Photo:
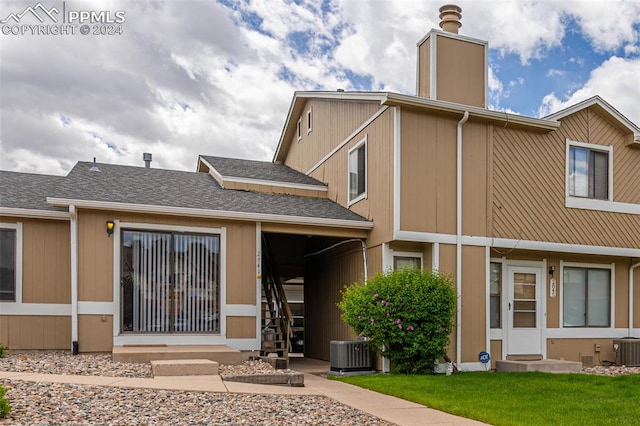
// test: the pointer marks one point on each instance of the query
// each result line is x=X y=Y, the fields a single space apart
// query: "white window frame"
x=120 y=338
x=612 y=296
x=299 y=129
x=19 y=249
x=362 y=142
x=592 y=203
x=309 y=120
x=411 y=254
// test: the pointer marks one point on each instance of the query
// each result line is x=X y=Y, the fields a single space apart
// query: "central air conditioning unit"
x=627 y=352
x=350 y=356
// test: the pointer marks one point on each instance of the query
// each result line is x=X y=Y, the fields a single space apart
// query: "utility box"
x=350 y=356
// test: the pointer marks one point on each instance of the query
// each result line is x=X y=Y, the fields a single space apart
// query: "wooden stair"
x=276 y=314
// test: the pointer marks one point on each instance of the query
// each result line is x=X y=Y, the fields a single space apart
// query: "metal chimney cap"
x=94 y=166
x=146 y=156
x=450 y=15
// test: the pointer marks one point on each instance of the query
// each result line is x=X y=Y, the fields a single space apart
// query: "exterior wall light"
x=110 y=225
x=552 y=269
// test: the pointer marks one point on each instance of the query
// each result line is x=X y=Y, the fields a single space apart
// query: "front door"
x=524 y=313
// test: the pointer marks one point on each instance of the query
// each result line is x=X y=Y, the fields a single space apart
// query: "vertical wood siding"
x=35 y=332
x=424 y=73
x=378 y=206
x=46 y=273
x=428 y=174
x=241 y=327
x=325 y=277
x=473 y=303
x=333 y=121
x=460 y=71
x=529 y=185
x=95 y=335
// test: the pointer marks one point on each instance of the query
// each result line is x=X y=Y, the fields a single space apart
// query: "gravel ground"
x=52 y=403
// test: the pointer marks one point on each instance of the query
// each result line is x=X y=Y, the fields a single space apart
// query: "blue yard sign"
x=484 y=357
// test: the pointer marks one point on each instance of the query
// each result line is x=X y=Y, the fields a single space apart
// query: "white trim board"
x=34 y=214
x=507 y=243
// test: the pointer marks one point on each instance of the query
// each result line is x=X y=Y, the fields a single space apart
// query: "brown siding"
x=325 y=277
x=496 y=352
x=448 y=267
x=374 y=260
x=95 y=333
x=529 y=186
x=572 y=349
x=46 y=261
x=428 y=174
x=35 y=332
x=241 y=327
x=636 y=297
x=378 y=206
x=95 y=253
x=474 y=179
x=95 y=257
x=424 y=63
x=333 y=121
x=461 y=71
x=473 y=303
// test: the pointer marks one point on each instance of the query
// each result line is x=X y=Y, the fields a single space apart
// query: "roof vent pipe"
x=147 y=159
x=450 y=15
x=94 y=167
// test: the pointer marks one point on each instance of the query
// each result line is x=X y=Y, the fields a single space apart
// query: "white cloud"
x=616 y=81
x=553 y=72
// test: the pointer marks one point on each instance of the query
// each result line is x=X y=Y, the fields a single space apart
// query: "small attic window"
x=299 y=129
x=309 y=120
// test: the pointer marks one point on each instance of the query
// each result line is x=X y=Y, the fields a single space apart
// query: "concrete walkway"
x=389 y=408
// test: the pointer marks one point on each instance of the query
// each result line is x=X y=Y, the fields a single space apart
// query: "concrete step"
x=544 y=365
x=184 y=367
x=220 y=353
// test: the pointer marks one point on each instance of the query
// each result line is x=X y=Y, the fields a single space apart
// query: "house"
x=537 y=220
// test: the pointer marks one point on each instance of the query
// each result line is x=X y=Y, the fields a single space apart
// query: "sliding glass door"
x=170 y=282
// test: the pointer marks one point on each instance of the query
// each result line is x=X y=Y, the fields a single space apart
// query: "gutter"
x=73 y=214
x=464 y=119
x=213 y=214
x=631 y=268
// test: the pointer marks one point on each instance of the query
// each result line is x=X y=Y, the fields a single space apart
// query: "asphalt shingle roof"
x=28 y=191
x=157 y=187
x=263 y=170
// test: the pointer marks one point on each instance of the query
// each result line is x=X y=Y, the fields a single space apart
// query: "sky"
x=183 y=78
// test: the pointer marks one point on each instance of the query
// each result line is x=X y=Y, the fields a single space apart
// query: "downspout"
x=74 y=279
x=631 y=268
x=464 y=119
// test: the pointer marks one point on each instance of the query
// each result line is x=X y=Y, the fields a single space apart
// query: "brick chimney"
x=452 y=67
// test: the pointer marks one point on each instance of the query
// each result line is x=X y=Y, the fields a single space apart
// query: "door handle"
x=509 y=305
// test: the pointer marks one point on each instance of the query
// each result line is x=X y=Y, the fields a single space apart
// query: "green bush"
x=406 y=315
x=5 y=408
x=3 y=350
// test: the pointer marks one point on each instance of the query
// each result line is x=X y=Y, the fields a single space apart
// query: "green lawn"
x=519 y=398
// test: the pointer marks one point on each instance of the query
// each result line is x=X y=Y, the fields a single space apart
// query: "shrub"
x=5 y=408
x=407 y=316
x=3 y=350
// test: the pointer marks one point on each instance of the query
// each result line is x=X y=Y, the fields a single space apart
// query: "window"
x=309 y=120
x=588 y=170
x=358 y=172
x=495 y=292
x=401 y=262
x=586 y=297
x=170 y=282
x=8 y=251
x=299 y=129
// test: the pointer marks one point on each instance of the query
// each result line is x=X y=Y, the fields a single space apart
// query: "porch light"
x=552 y=269
x=110 y=225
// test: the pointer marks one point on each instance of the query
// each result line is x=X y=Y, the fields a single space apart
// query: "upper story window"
x=8 y=262
x=309 y=120
x=589 y=170
x=299 y=129
x=586 y=296
x=407 y=260
x=358 y=171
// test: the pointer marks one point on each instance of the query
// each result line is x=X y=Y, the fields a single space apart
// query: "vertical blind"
x=170 y=282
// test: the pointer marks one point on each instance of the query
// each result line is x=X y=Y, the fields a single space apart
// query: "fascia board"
x=213 y=214
x=34 y=213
